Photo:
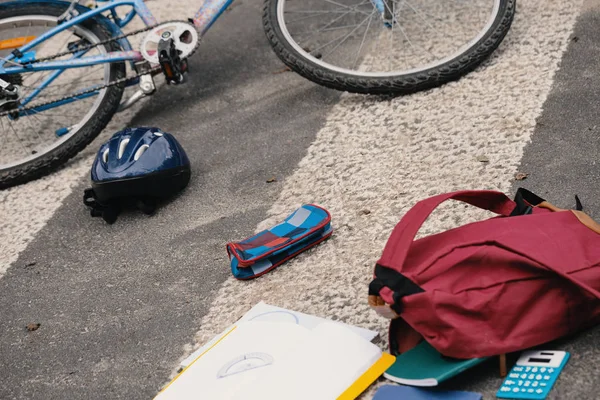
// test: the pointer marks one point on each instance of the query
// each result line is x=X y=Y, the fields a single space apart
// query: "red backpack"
x=524 y=278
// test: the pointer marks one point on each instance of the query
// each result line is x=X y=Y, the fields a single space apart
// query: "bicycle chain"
x=92 y=45
x=88 y=47
x=16 y=112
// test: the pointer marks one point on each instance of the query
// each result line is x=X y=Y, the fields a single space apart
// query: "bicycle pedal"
x=172 y=65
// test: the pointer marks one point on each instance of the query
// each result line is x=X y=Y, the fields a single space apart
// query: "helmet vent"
x=140 y=151
x=122 y=145
x=105 y=156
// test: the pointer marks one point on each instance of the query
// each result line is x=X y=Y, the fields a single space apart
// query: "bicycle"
x=63 y=56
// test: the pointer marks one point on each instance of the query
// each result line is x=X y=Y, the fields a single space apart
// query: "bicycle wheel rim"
x=486 y=29
x=75 y=128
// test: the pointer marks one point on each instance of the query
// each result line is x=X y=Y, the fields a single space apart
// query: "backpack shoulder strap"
x=400 y=241
x=397 y=246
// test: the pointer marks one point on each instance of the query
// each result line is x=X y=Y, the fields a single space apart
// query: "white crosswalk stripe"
x=385 y=155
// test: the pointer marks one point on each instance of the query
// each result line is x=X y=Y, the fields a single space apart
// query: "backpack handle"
x=403 y=235
x=396 y=249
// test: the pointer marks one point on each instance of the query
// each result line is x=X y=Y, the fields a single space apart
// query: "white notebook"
x=272 y=361
x=269 y=313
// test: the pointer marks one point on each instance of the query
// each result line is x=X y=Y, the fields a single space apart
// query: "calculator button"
x=531 y=376
x=535 y=384
x=514 y=376
x=505 y=389
x=509 y=382
x=523 y=376
x=527 y=369
x=543 y=384
x=523 y=390
x=520 y=383
x=538 y=377
x=516 y=390
x=543 y=369
x=527 y=383
x=529 y=390
x=534 y=369
x=546 y=377
x=550 y=370
x=518 y=369
x=539 y=391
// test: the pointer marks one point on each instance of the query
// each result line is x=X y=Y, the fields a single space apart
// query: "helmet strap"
x=108 y=211
x=147 y=205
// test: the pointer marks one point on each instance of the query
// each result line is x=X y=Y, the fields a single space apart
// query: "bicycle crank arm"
x=147 y=88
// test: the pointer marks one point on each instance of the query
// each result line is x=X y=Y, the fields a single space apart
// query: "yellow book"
x=271 y=361
x=370 y=376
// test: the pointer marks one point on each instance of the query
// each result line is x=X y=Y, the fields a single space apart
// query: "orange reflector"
x=15 y=43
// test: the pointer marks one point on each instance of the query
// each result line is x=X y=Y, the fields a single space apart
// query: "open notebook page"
x=250 y=351
x=328 y=361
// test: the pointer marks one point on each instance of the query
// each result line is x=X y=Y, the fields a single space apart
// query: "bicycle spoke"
x=344 y=6
x=43 y=75
x=392 y=32
x=326 y=26
x=51 y=91
x=348 y=35
x=49 y=113
x=345 y=12
x=316 y=12
x=462 y=2
x=339 y=10
x=36 y=118
x=34 y=129
x=406 y=62
x=362 y=43
x=336 y=28
x=395 y=21
x=420 y=16
x=17 y=135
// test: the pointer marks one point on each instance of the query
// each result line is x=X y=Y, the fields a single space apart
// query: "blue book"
x=389 y=392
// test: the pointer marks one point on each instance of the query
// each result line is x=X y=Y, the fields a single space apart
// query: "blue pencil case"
x=306 y=227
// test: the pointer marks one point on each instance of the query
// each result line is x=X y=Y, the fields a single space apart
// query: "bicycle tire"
x=394 y=85
x=52 y=160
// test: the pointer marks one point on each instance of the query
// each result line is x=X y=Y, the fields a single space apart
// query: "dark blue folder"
x=391 y=392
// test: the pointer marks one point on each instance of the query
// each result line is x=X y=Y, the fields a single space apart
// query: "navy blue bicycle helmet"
x=136 y=166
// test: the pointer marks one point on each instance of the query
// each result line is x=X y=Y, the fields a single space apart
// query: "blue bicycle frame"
x=208 y=13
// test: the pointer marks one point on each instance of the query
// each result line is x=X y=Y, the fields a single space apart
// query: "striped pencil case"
x=306 y=227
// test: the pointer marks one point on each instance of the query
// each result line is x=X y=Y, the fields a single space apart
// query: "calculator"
x=533 y=375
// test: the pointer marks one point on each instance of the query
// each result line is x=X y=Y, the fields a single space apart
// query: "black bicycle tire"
x=51 y=161
x=395 y=85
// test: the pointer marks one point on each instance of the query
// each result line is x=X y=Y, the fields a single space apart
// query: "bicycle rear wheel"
x=34 y=145
x=385 y=46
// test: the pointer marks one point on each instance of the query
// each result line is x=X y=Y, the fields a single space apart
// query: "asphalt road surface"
x=130 y=295
x=120 y=305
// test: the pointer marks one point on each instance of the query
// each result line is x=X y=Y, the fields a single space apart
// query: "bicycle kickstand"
x=147 y=88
